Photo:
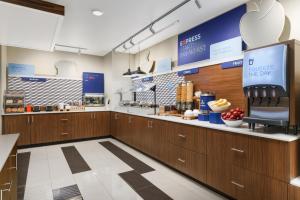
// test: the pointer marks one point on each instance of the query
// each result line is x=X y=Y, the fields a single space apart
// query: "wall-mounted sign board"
x=93 y=82
x=147 y=79
x=32 y=79
x=164 y=65
x=188 y=72
x=20 y=69
x=214 y=39
x=232 y=64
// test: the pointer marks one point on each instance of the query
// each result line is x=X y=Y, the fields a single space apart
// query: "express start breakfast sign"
x=214 y=39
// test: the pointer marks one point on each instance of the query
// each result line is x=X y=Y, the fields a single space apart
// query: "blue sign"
x=164 y=65
x=188 y=72
x=266 y=66
x=148 y=79
x=208 y=38
x=32 y=79
x=20 y=70
x=93 y=82
x=232 y=64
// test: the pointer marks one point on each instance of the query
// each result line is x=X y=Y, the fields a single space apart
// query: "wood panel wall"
x=225 y=83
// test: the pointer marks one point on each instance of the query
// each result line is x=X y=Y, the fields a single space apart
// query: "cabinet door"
x=5 y=181
x=43 y=128
x=84 y=125
x=101 y=124
x=115 y=124
x=66 y=129
x=294 y=193
x=18 y=124
x=219 y=161
x=249 y=185
x=269 y=157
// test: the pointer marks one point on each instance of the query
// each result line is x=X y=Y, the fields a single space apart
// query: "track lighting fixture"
x=131 y=42
x=152 y=30
x=124 y=46
x=198 y=4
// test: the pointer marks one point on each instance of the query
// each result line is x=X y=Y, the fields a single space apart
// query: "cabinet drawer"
x=250 y=185
x=239 y=150
x=189 y=137
x=191 y=163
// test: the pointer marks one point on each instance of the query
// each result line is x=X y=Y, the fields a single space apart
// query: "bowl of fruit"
x=233 y=118
x=219 y=105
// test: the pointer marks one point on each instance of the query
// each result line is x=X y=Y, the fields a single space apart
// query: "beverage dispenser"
x=267 y=87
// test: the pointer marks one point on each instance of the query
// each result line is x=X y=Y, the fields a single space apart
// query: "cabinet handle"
x=94 y=115
x=116 y=116
x=32 y=119
x=129 y=120
x=150 y=124
x=28 y=119
x=237 y=150
x=91 y=115
x=237 y=184
x=64 y=133
x=64 y=119
x=6 y=189
x=16 y=159
x=181 y=160
x=182 y=136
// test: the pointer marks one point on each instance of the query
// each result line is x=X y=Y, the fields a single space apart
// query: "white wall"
x=292 y=11
x=44 y=61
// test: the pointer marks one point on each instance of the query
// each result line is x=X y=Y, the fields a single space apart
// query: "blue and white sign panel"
x=266 y=66
x=93 y=82
x=20 y=70
x=217 y=38
x=232 y=64
x=147 y=79
x=188 y=72
x=33 y=79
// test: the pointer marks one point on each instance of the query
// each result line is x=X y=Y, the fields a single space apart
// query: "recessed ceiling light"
x=97 y=12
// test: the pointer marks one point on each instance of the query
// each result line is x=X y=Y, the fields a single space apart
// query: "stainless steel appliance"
x=94 y=100
x=268 y=83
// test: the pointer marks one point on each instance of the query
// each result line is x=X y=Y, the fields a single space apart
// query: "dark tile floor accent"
x=143 y=187
x=130 y=160
x=67 y=193
x=75 y=161
x=23 y=164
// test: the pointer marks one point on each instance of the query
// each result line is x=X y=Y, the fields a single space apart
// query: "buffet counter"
x=259 y=132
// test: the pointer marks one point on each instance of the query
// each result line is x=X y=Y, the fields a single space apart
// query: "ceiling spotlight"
x=198 y=4
x=151 y=29
x=97 y=13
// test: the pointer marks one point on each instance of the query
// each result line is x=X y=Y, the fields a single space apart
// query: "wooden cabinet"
x=294 y=192
x=92 y=124
x=43 y=128
x=101 y=124
x=66 y=128
x=219 y=161
x=8 y=177
x=18 y=124
x=55 y=127
x=249 y=185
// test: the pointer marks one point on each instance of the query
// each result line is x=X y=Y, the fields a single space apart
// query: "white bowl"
x=218 y=108
x=233 y=123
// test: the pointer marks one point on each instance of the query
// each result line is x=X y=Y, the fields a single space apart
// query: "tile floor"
x=48 y=170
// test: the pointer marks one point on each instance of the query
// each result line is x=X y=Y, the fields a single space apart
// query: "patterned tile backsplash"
x=166 y=89
x=51 y=92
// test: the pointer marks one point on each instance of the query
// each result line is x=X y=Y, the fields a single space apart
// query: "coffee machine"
x=268 y=84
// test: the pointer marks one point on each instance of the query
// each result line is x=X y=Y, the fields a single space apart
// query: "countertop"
x=242 y=130
x=7 y=143
x=56 y=112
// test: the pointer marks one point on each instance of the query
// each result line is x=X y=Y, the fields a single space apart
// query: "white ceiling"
x=122 y=18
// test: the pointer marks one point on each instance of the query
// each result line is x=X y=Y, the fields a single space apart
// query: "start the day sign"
x=214 y=39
